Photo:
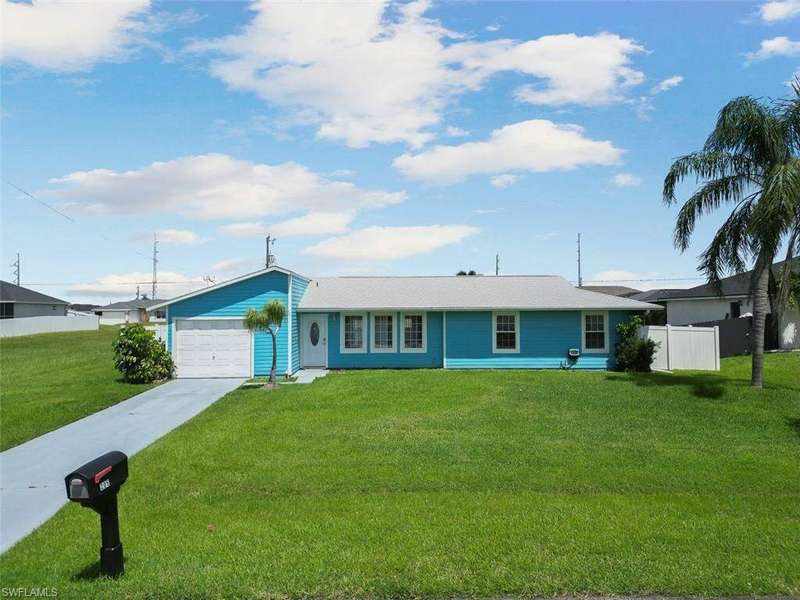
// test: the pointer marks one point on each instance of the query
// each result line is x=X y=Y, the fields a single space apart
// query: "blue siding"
x=431 y=358
x=299 y=286
x=233 y=301
x=545 y=338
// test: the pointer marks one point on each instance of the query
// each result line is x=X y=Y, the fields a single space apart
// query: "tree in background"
x=268 y=319
x=750 y=160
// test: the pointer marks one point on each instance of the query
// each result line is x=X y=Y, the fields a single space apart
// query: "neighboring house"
x=128 y=311
x=612 y=290
x=704 y=303
x=394 y=322
x=19 y=302
x=83 y=308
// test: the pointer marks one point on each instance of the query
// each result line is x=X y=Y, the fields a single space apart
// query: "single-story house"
x=127 y=311
x=705 y=303
x=521 y=322
x=20 y=302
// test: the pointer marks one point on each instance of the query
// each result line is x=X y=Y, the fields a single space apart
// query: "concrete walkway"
x=32 y=474
x=309 y=375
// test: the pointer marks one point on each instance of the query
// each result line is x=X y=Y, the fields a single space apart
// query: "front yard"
x=457 y=484
x=52 y=379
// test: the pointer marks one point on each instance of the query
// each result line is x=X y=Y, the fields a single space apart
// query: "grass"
x=447 y=484
x=52 y=379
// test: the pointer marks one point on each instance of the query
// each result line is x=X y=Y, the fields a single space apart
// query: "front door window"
x=314 y=334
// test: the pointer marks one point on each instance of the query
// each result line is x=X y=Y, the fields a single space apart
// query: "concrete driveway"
x=32 y=474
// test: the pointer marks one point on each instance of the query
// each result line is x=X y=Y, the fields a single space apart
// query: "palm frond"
x=747 y=126
x=706 y=200
x=731 y=246
x=705 y=166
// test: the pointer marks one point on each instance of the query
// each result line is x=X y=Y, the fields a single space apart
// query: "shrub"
x=140 y=357
x=632 y=352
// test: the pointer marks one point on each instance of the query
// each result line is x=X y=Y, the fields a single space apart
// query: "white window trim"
x=604 y=349
x=517 y=326
x=401 y=325
x=372 y=347
x=364 y=332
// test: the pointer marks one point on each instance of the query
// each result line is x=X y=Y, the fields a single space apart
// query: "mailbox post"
x=95 y=485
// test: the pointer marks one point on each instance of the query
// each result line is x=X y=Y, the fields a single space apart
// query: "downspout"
x=444 y=339
x=289 y=329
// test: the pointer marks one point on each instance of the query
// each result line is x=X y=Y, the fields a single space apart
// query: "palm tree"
x=268 y=319
x=749 y=160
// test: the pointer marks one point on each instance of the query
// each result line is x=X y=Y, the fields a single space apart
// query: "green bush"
x=140 y=357
x=632 y=352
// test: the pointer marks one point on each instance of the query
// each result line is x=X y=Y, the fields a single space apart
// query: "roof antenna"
x=580 y=279
x=497 y=264
x=155 y=265
x=15 y=264
x=269 y=259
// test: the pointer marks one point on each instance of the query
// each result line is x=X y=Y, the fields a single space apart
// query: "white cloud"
x=123 y=285
x=772 y=12
x=456 y=132
x=366 y=72
x=486 y=211
x=623 y=180
x=503 y=181
x=310 y=224
x=777 y=46
x=549 y=235
x=71 y=36
x=666 y=84
x=214 y=186
x=390 y=243
x=177 y=237
x=536 y=145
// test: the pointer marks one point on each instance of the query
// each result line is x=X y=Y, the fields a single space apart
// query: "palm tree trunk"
x=760 y=308
x=275 y=358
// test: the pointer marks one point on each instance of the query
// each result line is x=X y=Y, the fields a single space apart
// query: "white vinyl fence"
x=160 y=329
x=684 y=347
x=33 y=325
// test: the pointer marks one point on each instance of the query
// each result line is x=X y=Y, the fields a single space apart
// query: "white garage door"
x=211 y=348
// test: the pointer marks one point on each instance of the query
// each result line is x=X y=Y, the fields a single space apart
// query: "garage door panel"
x=213 y=348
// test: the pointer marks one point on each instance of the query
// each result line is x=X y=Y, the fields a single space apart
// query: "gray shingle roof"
x=612 y=290
x=15 y=293
x=538 y=292
x=130 y=304
x=735 y=285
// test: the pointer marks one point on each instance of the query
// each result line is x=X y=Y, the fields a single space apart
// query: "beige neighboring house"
x=127 y=311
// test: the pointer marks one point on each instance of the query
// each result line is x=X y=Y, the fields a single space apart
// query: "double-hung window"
x=353 y=333
x=595 y=332
x=383 y=332
x=505 y=337
x=413 y=332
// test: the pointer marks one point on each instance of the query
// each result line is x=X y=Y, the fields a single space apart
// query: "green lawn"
x=52 y=379
x=457 y=484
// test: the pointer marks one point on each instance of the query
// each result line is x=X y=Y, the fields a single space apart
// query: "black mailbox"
x=95 y=485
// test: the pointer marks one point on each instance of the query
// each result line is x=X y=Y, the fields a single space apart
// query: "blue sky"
x=385 y=138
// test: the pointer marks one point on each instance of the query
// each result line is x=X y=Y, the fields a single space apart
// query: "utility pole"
x=137 y=292
x=16 y=269
x=497 y=264
x=155 y=265
x=580 y=279
x=269 y=259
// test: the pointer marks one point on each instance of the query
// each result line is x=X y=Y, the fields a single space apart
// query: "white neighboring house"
x=704 y=303
x=20 y=302
x=128 y=311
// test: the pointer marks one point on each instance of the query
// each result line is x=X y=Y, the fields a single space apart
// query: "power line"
x=65 y=215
